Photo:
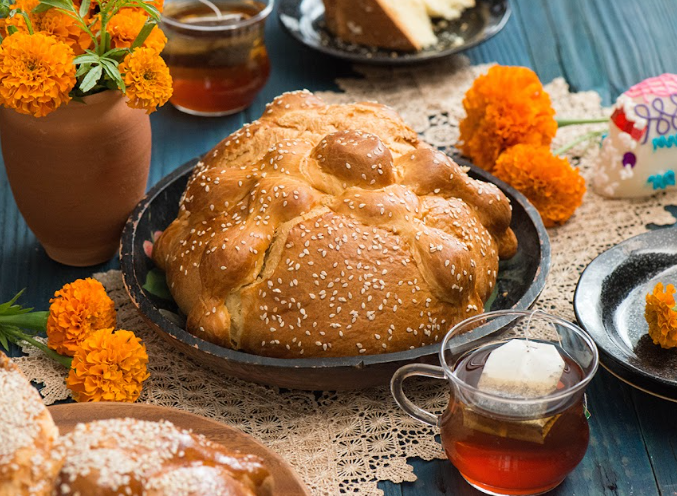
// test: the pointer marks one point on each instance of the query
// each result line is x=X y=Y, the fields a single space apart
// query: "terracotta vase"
x=77 y=173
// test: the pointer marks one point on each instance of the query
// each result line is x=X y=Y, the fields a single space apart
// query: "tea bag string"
x=528 y=327
x=217 y=11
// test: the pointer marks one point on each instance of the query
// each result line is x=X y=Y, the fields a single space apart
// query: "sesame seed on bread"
x=332 y=230
x=27 y=434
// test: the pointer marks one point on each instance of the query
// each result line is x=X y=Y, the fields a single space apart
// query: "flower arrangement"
x=53 y=51
x=104 y=364
x=508 y=128
x=661 y=315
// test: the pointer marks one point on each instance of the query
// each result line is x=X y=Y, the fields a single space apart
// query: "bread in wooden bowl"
x=331 y=230
x=27 y=436
x=141 y=458
x=393 y=24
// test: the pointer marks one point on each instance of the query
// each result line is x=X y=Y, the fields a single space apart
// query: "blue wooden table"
x=599 y=45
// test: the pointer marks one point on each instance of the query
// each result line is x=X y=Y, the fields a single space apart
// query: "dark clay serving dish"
x=520 y=281
x=609 y=304
x=304 y=21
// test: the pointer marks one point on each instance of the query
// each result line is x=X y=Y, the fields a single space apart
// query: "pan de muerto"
x=331 y=230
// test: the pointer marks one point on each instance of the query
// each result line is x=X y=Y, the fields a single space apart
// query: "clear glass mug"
x=504 y=444
x=216 y=53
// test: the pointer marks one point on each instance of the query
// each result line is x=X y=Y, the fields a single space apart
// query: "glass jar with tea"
x=216 y=53
x=516 y=421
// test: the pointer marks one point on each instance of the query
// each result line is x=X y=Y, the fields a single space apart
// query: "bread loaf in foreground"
x=112 y=457
x=27 y=436
x=137 y=457
x=331 y=230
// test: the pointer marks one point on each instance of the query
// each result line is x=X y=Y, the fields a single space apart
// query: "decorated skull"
x=639 y=155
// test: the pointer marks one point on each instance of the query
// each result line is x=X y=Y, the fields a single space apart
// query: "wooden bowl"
x=285 y=480
x=520 y=280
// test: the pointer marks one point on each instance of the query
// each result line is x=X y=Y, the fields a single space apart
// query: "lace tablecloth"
x=348 y=441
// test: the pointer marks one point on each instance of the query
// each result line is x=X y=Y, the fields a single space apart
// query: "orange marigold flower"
x=506 y=107
x=550 y=183
x=661 y=316
x=76 y=311
x=36 y=73
x=147 y=78
x=52 y=22
x=124 y=27
x=108 y=366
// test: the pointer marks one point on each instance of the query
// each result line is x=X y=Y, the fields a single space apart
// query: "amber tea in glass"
x=511 y=439
x=216 y=53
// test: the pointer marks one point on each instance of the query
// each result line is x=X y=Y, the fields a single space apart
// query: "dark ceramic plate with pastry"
x=305 y=21
x=610 y=302
x=520 y=281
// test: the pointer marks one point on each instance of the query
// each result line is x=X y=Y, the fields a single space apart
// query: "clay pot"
x=77 y=173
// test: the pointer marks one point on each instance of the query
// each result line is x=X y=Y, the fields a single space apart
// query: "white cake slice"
x=392 y=24
x=448 y=9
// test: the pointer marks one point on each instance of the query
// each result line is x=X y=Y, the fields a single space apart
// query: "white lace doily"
x=348 y=441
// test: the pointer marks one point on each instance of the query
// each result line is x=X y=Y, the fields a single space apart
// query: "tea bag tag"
x=522 y=369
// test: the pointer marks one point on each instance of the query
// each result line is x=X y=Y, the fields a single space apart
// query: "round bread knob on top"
x=331 y=230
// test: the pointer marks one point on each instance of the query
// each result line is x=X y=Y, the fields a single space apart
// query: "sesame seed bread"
x=27 y=435
x=135 y=457
x=331 y=230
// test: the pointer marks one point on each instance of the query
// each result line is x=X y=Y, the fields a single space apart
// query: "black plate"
x=520 y=281
x=609 y=304
x=304 y=20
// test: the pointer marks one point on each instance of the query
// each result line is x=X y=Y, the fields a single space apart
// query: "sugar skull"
x=638 y=157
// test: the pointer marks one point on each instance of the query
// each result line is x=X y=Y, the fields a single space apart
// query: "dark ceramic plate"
x=304 y=20
x=520 y=281
x=609 y=304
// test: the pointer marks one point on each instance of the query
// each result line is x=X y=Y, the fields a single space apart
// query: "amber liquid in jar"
x=215 y=71
x=507 y=455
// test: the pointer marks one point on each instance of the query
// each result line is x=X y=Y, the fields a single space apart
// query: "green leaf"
x=116 y=53
x=150 y=9
x=11 y=30
x=156 y=284
x=43 y=7
x=5 y=306
x=144 y=33
x=82 y=70
x=84 y=7
x=59 y=4
x=111 y=68
x=86 y=59
x=91 y=78
x=29 y=24
x=3 y=341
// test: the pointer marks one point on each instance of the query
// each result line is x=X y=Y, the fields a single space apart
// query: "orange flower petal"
x=505 y=107
x=550 y=183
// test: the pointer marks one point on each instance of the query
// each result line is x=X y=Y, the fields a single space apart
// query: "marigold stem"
x=580 y=139
x=17 y=335
x=573 y=122
x=35 y=321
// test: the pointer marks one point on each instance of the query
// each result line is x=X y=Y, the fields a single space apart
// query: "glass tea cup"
x=216 y=53
x=508 y=442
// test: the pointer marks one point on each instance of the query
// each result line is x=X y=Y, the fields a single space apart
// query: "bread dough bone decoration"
x=393 y=24
x=331 y=230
